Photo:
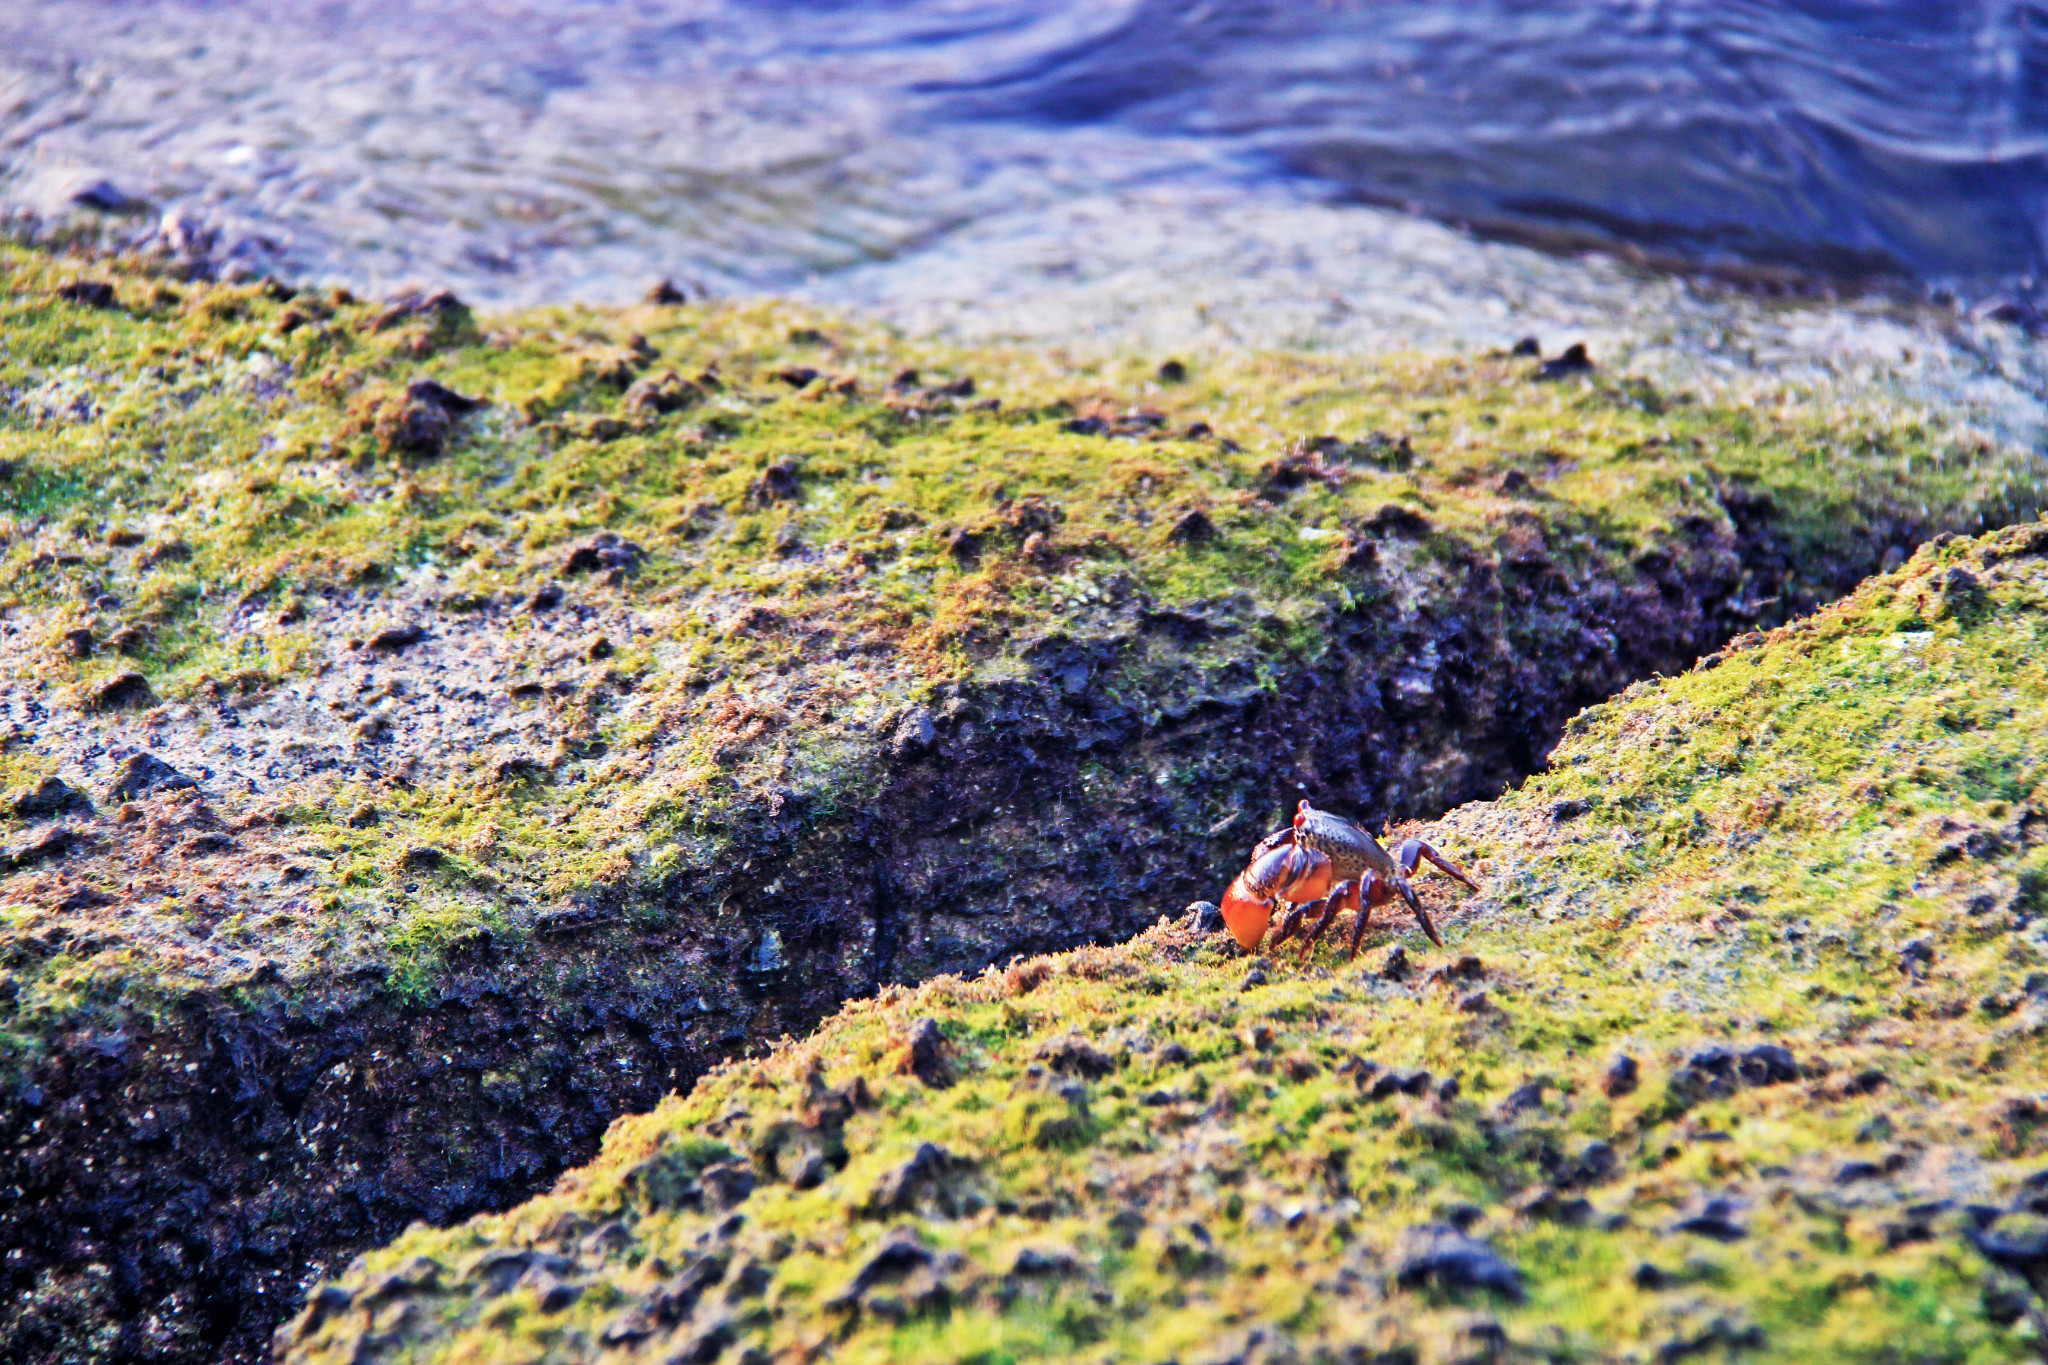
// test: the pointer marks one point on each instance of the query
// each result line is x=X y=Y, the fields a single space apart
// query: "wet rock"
x=90 y=293
x=901 y=1280
x=913 y=735
x=323 y=1305
x=779 y=483
x=51 y=796
x=1915 y=957
x=142 y=774
x=205 y=845
x=1439 y=1255
x=726 y=1184
x=926 y=1055
x=78 y=643
x=164 y=552
x=1648 y=1276
x=689 y=1178
x=1549 y=1204
x=362 y=817
x=1597 y=1161
x=796 y=376
x=421 y=424
x=1465 y=969
x=442 y=397
x=120 y=692
x=964 y=544
x=1301 y=464
x=803 y=1151
x=1716 y=1219
x=51 y=846
x=421 y=858
x=674 y=1300
x=1527 y=1099
x=2006 y=1298
x=1849 y=1172
x=1254 y=978
x=604 y=551
x=665 y=294
x=394 y=638
x=1715 y=1073
x=1573 y=360
x=1768 y=1064
x=1043 y=1263
x=1173 y=372
x=1621 y=1077
x=657 y=397
x=1392 y=965
x=1396 y=520
x=1527 y=346
x=1718 y=1332
x=1398 y=1082
x=552 y=1293
x=1960 y=593
x=1204 y=917
x=933 y=1183
x=1073 y=1056
x=415 y=303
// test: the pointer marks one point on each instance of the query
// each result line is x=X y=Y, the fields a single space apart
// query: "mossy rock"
x=1736 y=1054
x=483 y=733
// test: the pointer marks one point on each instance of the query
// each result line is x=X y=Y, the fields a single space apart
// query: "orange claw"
x=1290 y=872
x=1246 y=915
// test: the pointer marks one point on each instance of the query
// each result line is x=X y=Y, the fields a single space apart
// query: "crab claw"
x=1246 y=915
x=1289 y=872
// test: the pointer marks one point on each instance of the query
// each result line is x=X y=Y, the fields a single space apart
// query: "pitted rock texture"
x=1813 y=1154
x=666 y=729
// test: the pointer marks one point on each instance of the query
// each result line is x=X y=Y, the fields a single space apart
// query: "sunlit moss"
x=1868 y=778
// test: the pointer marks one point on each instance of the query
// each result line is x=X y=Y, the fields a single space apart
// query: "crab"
x=1320 y=865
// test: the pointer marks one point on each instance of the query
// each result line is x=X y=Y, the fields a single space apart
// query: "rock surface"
x=442 y=799
x=1750 y=844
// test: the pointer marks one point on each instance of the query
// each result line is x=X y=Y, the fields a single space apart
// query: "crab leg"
x=1345 y=897
x=1407 y=894
x=1413 y=851
x=1292 y=920
x=1373 y=892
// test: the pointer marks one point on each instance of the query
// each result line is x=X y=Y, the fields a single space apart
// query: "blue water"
x=1907 y=136
x=546 y=146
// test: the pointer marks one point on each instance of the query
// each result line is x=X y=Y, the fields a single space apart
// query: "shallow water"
x=535 y=150
x=1170 y=175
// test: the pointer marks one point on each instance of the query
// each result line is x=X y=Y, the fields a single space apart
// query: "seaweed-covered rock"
x=1273 y=1204
x=898 y=681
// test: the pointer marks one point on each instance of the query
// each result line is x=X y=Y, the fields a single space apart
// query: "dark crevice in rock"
x=185 y=1180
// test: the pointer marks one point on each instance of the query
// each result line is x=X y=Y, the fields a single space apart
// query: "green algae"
x=202 y=477
x=254 y=450
x=1830 y=841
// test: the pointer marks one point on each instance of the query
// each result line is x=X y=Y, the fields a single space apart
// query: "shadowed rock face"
x=464 y=801
x=1734 y=1029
